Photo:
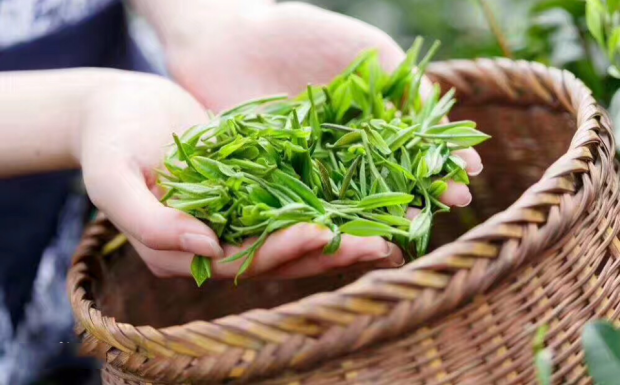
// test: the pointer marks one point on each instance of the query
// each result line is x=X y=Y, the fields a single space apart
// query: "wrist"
x=174 y=21
x=41 y=115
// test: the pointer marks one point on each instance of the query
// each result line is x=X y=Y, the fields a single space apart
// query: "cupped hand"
x=223 y=61
x=125 y=134
x=248 y=52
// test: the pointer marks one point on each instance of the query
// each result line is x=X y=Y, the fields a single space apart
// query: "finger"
x=426 y=88
x=353 y=251
x=457 y=195
x=279 y=248
x=163 y=263
x=120 y=191
x=413 y=212
x=472 y=159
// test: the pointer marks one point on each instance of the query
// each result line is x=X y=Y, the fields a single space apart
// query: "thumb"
x=121 y=191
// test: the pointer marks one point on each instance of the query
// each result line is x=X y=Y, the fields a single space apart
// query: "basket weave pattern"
x=467 y=312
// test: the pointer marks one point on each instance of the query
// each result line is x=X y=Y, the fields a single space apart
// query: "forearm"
x=40 y=114
x=168 y=17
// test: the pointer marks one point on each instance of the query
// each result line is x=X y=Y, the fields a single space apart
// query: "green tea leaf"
x=334 y=244
x=230 y=148
x=366 y=228
x=347 y=139
x=326 y=181
x=384 y=200
x=212 y=169
x=542 y=357
x=435 y=158
x=253 y=104
x=201 y=269
x=300 y=189
x=462 y=136
x=438 y=188
x=183 y=151
x=391 y=220
x=544 y=366
x=442 y=128
x=195 y=189
x=363 y=179
x=421 y=244
x=420 y=225
x=187 y=205
x=348 y=176
x=377 y=141
x=403 y=137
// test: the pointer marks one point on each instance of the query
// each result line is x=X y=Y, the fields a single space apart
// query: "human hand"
x=125 y=132
x=226 y=56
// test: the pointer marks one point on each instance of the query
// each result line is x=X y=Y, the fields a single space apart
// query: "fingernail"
x=391 y=256
x=395 y=257
x=373 y=257
x=465 y=201
x=387 y=253
x=477 y=170
x=201 y=244
x=392 y=261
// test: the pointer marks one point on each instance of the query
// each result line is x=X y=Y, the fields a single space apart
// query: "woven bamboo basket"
x=543 y=250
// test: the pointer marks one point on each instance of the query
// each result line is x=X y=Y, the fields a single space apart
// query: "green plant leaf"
x=366 y=228
x=384 y=200
x=195 y=189
x=201 y=269
x=188 y=205
x=613 y=44
x=403 y=137
x=235 y=145
x=601 y=343
x=300 y=189
x=253 y=104
x=542 y=357
x=420 y=225
x=442 y=128
x=183 y=150
x=438 y=188
x=462 y=136
x=435 y=158
x=377 y=141
x=595 y=14
x=346 y=139
x=334 y=244
x=346 y=182
x=326 y=181
x=544 y=366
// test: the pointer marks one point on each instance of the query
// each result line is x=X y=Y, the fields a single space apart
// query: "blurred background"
x=553 y=32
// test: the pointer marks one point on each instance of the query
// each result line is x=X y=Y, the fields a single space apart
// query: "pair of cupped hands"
x=275 y=48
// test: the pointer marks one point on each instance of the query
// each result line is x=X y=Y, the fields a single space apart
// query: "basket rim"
x=382 y=303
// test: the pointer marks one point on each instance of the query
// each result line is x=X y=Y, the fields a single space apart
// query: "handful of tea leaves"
x=351 y=156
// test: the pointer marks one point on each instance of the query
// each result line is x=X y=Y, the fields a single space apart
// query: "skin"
x=117 y=125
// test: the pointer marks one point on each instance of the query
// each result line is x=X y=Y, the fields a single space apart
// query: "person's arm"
x=40 y=113
x=115 y=125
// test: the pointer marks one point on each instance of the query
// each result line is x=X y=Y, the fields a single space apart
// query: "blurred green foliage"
x=553 y=32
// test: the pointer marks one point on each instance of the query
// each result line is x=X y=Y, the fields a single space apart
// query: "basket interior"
x=526 y=140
